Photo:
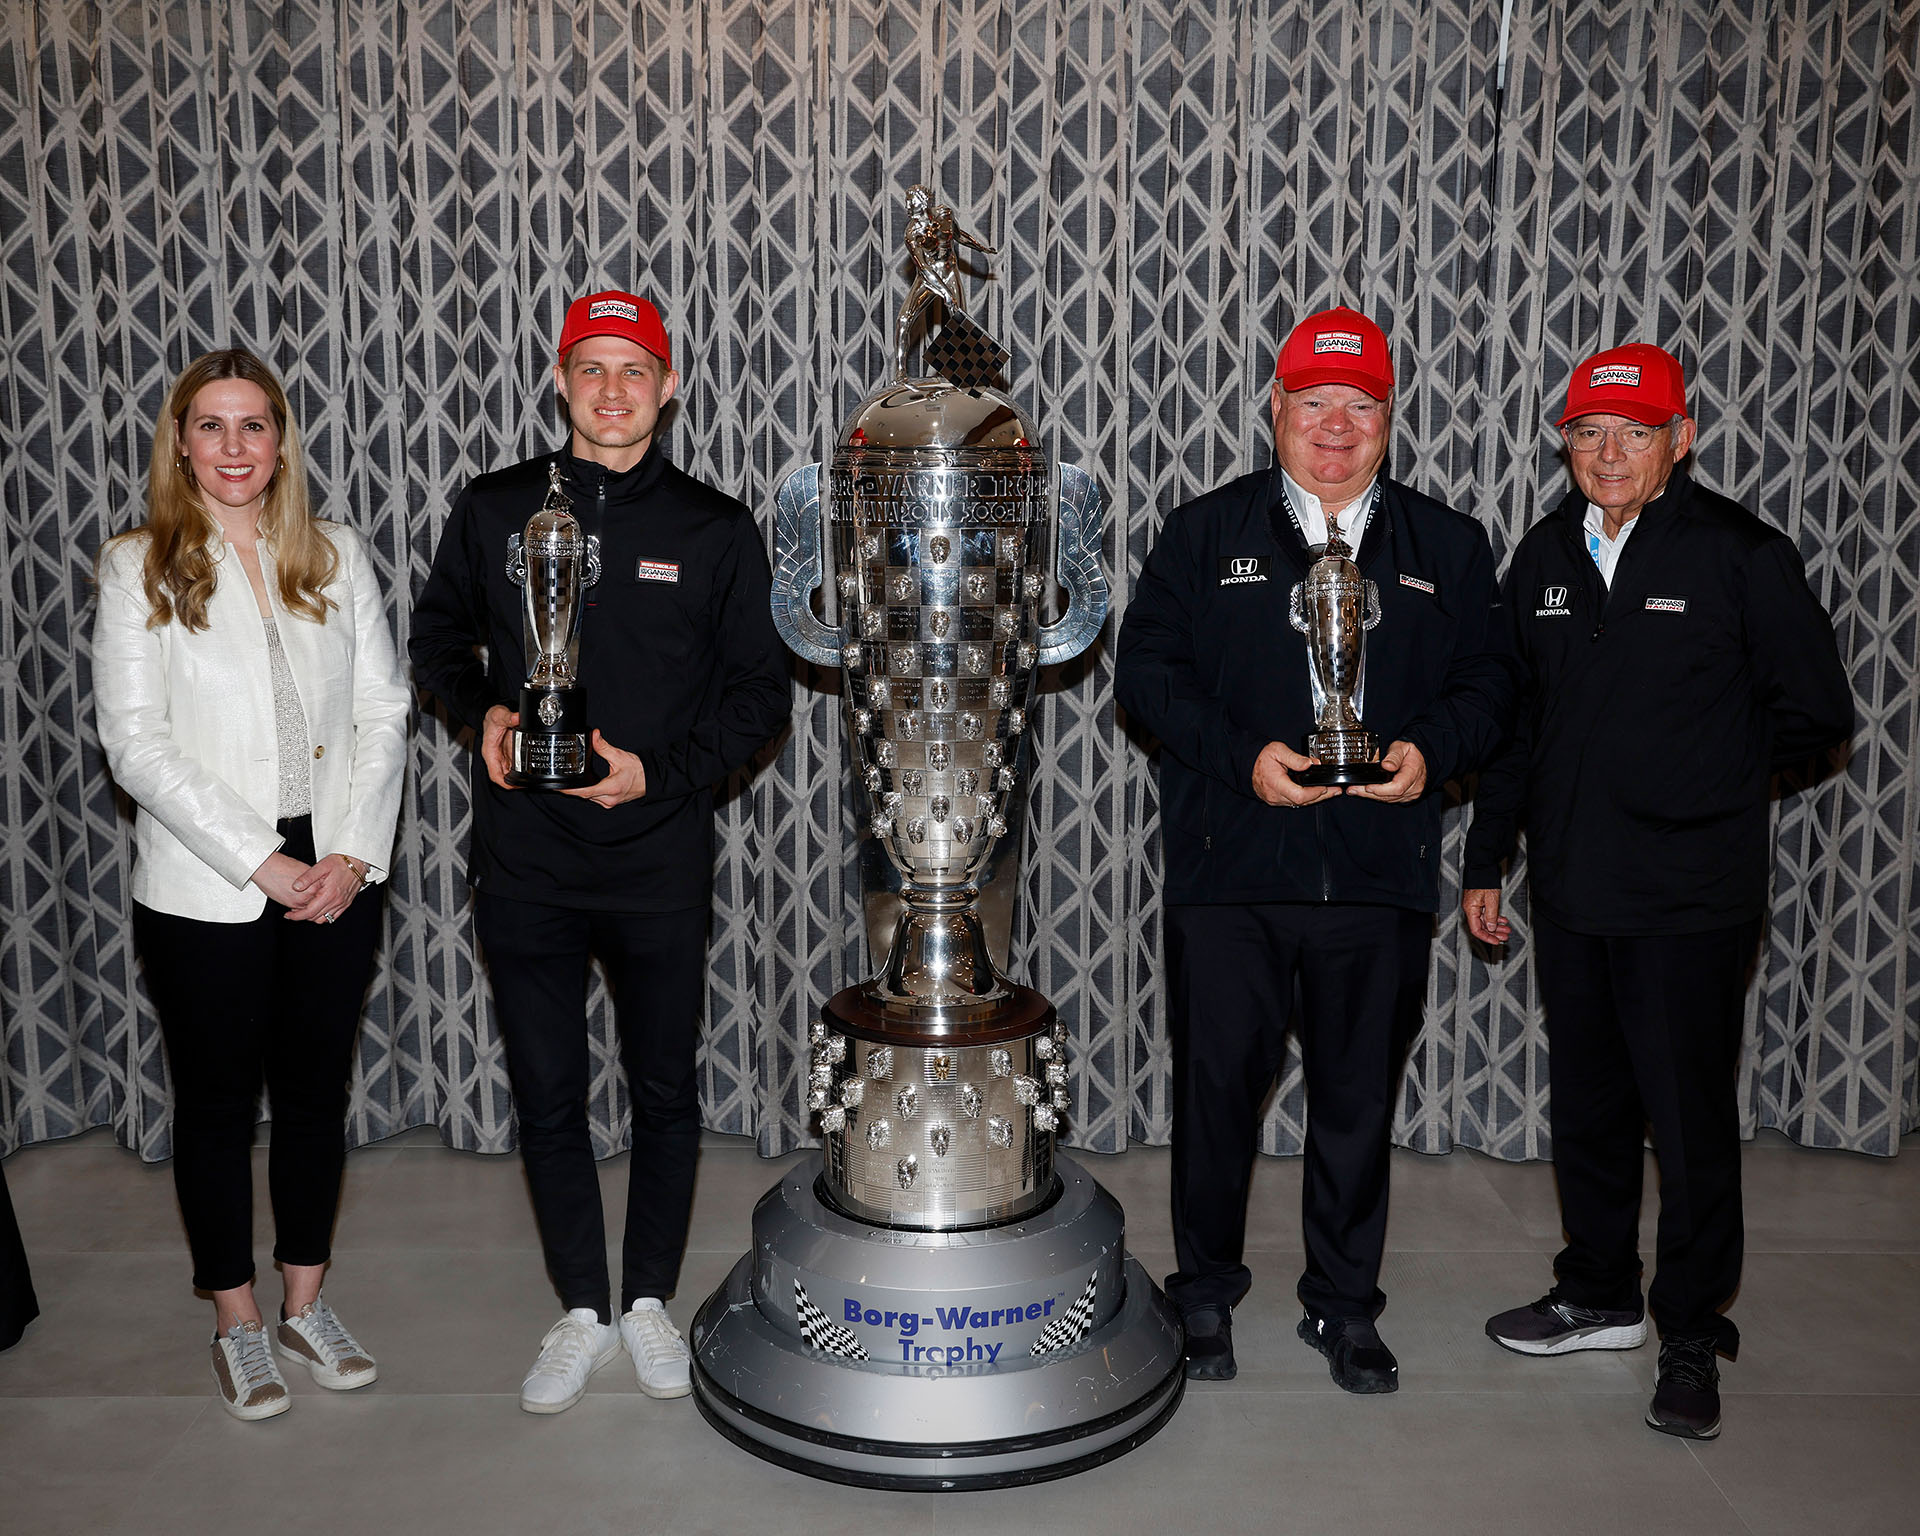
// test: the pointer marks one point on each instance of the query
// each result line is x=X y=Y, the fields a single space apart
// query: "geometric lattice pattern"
x=394 y=204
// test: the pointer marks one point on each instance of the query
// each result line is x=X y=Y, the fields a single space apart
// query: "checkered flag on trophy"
x=822 y=1332
x=965 y=355
x=1072 y=1325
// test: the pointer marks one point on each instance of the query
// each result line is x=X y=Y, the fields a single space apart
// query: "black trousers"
x=1646 y=1031
x=537 y=958
x=243 y=1002
x=1360 y=972
x=18 y=1305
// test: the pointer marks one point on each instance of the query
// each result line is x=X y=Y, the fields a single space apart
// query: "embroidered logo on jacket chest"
x=1243 y=570
x=657 y=570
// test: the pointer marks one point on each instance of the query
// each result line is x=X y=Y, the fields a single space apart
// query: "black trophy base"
x=552 y=747
x=1339 y=774
x=1346 y=758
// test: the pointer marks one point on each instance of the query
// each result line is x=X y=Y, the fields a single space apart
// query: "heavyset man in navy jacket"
x=1672 y=655
x=1272 y=884
x=685 y=679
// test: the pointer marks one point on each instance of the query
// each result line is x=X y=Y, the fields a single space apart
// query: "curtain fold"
x=394 y=205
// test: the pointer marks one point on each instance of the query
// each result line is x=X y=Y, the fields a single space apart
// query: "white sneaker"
x=251 y=1386
x=320 y=1342
x=662 y=1363
x=574 y=1348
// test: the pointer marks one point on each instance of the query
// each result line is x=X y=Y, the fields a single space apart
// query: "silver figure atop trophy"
x=554 y=563
x=939 y=1083
x=1334 y=608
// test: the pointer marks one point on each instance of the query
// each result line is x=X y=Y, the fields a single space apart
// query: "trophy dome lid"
x=932 y=413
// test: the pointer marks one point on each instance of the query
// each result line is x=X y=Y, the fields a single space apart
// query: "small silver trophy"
x=939 y=1299
x=1334 y=608
x=554 y=563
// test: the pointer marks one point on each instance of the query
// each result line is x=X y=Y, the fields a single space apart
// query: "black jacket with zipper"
x=1210 y=663
x=678 y=656
x=1653 y=713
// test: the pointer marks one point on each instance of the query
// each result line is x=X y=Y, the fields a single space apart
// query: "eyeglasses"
x=1631 y=439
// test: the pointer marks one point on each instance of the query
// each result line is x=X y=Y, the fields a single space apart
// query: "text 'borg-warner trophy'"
x=938 y=1300
x=554 y=563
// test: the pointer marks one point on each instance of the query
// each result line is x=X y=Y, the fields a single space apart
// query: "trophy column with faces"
x=938 y=1299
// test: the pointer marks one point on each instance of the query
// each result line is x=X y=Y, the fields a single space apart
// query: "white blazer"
x=187 y=722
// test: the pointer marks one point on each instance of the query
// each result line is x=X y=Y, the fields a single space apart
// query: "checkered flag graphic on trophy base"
x=822 y=1332
x=1072 y=1325
x=965 y=355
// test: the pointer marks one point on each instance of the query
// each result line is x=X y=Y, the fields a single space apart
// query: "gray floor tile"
x=1801 y=1200
x=1841 y=1466
x=1470 y=1464
x=113 y=1325
x=76 y=1467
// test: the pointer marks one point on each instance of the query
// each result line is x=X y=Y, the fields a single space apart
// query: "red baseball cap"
x=614 y=313
x=1336 y=346
x=1640 y=382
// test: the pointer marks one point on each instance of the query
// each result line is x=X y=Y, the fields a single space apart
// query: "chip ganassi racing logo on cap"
x=1553 y=604
x=1337 y=341
x=1615 y=373
x=620 y=309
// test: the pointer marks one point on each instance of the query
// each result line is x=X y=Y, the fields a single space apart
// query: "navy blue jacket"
x=1653 y=713
x=1210 y=664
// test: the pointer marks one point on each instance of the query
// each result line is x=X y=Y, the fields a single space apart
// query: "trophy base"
x=554 y=749
x=1341 y=774
x=938 y=1361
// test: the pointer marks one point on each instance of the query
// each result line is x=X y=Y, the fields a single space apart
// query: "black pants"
x=656 y=963
x=18 y=1305
x=239 y=1002
x=1361 y=973
x=1646 y=1030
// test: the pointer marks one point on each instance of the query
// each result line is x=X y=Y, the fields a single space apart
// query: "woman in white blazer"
x=252 y=706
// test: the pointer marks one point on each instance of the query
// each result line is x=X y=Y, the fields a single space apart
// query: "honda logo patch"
x=1553 y=604
x=658 y=570
x=1242 y=570
x=1666 y=605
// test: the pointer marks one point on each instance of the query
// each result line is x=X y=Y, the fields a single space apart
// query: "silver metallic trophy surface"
x=938 y=1299
x=1334 y=608
x=553 y=562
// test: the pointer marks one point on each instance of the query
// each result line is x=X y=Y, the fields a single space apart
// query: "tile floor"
x=107 y=1422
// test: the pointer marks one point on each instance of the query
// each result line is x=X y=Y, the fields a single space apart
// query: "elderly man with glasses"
x=1673 y=657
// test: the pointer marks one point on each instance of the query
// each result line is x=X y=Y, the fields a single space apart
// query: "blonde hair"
x=179 y=569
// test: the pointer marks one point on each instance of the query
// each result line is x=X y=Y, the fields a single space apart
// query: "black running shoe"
x=1555 y=1326
x=1210 y=1344
x=1686 y=1402
x=1356 y=1358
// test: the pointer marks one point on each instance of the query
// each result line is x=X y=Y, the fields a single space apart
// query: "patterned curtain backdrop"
x=395 y=203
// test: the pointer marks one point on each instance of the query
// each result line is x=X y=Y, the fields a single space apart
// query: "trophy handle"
x=516 y=560
x=796 y=569
x=1297 y=606
x=1373 y=606
x=592 y=576
x=1076 y=566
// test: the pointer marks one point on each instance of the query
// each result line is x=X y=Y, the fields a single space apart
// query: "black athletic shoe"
x=1554 y=1326
x=1687 y=1400
x=1210 y=1344
x=1356 y=1359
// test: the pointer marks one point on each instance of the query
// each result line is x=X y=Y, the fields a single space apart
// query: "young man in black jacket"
x=1271 y=883
x=685 y=679
x=1672 y=657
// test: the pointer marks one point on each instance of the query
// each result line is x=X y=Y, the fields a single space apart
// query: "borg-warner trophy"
x=554 y=563
x=938 y=1299
x=1334 y=608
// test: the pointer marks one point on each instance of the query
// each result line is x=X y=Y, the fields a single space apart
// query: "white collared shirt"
x=1606 y=551
x=1313 y=517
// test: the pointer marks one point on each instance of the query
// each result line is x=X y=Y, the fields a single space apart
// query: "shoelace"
x=561 y=1349
x=658 y=1340
x=252 y=1359
x=1690 y=1365
x=327 y=1333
